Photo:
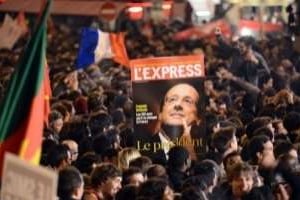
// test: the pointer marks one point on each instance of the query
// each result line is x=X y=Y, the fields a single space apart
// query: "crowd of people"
x=252 y=120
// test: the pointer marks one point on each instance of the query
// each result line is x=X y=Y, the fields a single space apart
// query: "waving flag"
x=22 y=110
x=96 y=45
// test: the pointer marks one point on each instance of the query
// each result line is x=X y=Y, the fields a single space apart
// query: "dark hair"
x=110 y=153
x=55 y=115
x=178 y=156
x=95 y=101
x=47 y=145
x=193 y=193
x=256 y=124
x=98 y=122
x=197 y=181
x=127 y=192
x=57 y=155
x=295 y=85
x=228 y=156
x=221 y=138
x=207 y=170
x=69 y=179
x=85 y=163
x=157 y=171
x=128 y=173
x=61 y=109
x=101 y=143
x=282 y=147
x=291 y=121
x=264 y=131
x=118 y=117
x=248 y=41
x=153 y=188
x=259 y=193
x=103 y=172
x=142 y=162
x=256 y=145
x=240 y=168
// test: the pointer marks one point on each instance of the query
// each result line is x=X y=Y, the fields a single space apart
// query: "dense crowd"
x=252 y=120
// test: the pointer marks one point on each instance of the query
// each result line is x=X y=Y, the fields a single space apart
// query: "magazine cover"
x=168 y=103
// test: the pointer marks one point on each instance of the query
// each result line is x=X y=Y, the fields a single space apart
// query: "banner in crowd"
x=10 y=32
x=207 y=31
x=23 y=181
x=168 y=103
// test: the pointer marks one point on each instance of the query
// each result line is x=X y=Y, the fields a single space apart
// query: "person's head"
x=70 y=184
x=56 y=121
x=180 y=105
x=127 y=192
x=125 y=156
x=261 y=152
x=59 y=157
x=244 y=44
x=142 y=163
x=110 y=156
x=179 y=158
x=100 y=143
x=106 y=178
x=87 y=162
x=95 y=101
x=284 y=147
x=133 y=176
x=241 y=179
x=224 y=140
x=208 y=170
x=157 y=171
x=157 y=189
x=266 y=82
x=258 y=123
x=291 y=121
x=73 y=146
x=267 y=131
x=192 y=193
x=231 y=160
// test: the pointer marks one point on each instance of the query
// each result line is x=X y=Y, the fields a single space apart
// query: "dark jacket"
x=246 y=70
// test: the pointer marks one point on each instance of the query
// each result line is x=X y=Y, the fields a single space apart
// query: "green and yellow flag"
x=23 y=108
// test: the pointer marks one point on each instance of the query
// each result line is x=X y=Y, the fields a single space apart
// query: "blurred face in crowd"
x=73 y=146
x=180 y=105
x=231 y=162
x=242 y=47
x=136 y=179
x=168 y=194
x=268 y=84
x=242 y=184
x=111 y=186
x=79 y=191
x=57 y=125
x=293 y=153
x=266 y=158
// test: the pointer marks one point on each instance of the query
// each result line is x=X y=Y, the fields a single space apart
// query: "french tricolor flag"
x=96 y=45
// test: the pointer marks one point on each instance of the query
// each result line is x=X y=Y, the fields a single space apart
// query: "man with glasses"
x=73 y=146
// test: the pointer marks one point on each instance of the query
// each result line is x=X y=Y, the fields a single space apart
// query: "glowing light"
x=246 y=32
x=135 y=9
x=166 y=6
x=203 y=13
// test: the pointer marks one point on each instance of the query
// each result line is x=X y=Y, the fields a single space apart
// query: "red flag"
x=48 y=93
